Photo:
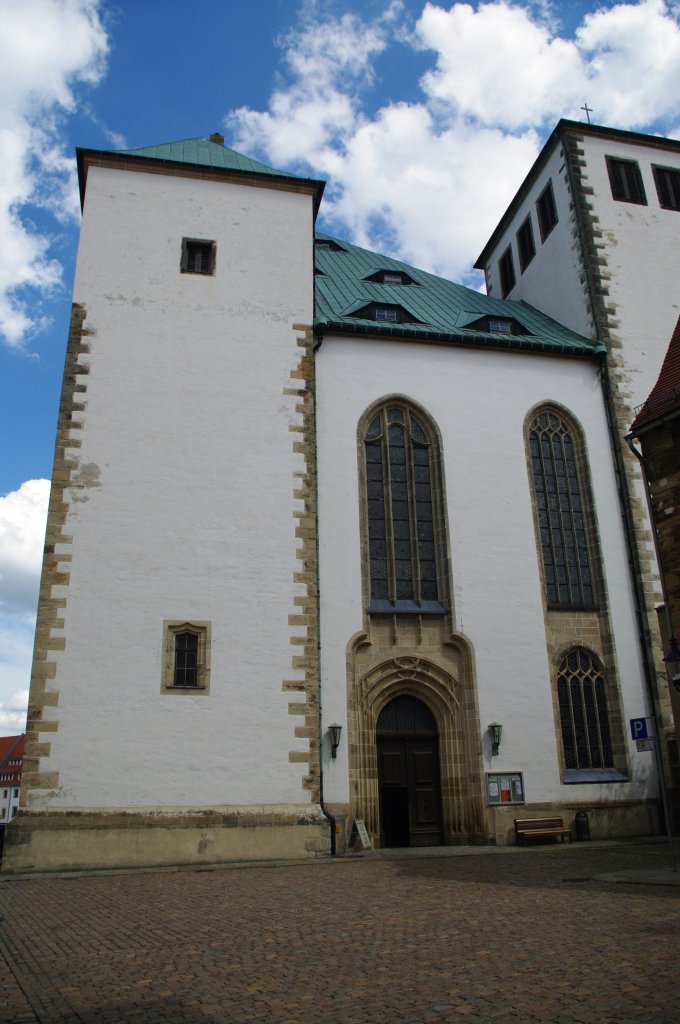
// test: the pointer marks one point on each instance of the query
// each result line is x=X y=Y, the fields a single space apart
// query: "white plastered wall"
x=479 y=401
x=189 y=515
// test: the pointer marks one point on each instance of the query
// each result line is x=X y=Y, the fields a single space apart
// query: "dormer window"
x=497 y=325
x=385 y=314
x=394 y=277
x=328 y=245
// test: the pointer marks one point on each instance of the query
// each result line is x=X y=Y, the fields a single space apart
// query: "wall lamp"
x=495 y=730
x=334 y=731
x=672 y=659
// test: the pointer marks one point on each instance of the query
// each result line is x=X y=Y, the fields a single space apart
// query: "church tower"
x=173 y=710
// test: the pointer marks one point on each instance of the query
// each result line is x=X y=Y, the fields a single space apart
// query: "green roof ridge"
x=201 y=152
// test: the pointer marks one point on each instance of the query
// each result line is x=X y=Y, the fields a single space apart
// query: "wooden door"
x=410 y=797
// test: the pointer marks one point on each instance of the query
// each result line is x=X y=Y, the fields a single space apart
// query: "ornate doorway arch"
x=451 y=701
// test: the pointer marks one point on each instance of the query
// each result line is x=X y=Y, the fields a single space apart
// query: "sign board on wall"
x=505 y=788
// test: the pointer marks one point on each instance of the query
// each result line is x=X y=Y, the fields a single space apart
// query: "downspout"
x=327 y=814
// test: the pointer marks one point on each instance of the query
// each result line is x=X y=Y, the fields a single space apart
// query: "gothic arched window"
x=404 y=526
x=584 y=717
x=562 y=519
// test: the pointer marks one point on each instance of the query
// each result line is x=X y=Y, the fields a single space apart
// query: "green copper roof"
x=441 y=311
x=204 y=153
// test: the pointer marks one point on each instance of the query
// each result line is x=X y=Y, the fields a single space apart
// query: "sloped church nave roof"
x=349 y=287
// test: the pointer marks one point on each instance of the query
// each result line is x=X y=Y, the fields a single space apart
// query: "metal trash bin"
x=582 y=825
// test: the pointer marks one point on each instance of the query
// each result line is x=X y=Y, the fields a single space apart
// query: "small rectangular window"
x=667 y=180
x=506 y=270
x=500 y=326
x=525 y=244
x=546 y=210
x=626 y=181
x=186 y=657
x=386 y=313
x=198 y=256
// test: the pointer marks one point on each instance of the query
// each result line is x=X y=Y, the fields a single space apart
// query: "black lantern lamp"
x=495 y=730
x=334 y=731
x=672 y=659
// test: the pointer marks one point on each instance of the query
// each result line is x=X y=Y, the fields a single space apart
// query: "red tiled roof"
x=11 y=751
x=665 y=395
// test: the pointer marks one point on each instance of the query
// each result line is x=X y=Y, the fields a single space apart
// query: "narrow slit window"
x=546 y=211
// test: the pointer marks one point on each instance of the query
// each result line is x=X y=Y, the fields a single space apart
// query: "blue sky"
x=423 y=118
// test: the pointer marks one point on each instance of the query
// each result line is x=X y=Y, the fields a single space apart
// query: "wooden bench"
x=540 y=828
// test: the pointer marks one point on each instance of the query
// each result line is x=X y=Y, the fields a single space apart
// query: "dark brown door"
x=410 y=798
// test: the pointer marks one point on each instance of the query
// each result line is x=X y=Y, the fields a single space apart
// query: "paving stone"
x=485 y=938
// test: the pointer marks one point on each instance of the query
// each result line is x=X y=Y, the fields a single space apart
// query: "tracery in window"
x=400 y=466
x=561 y=514
x=582 y=699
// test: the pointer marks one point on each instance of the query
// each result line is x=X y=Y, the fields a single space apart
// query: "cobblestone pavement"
x=489 y=937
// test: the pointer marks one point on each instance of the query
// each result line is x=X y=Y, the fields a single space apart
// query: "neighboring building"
x=657 y=428
x=11 y=766
x=298 y=485
x=592 y=238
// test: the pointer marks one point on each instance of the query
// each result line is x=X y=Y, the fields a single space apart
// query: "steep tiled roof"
x=441 y=310
x=665 y=395
x=11 y=751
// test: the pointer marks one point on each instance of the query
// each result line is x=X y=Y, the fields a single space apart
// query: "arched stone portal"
x=451 y=700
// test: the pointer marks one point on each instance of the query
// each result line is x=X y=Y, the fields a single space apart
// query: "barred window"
x=561 y=516
x=186 y=659
x=582 y=699
x=403 y=524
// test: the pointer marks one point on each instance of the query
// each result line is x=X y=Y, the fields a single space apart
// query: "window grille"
x=582 y=699
x=406 y=714
x=186 y=659
x=400 y=507
x=561 y=517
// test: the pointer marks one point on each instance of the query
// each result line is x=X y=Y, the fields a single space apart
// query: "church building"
x=330 y=539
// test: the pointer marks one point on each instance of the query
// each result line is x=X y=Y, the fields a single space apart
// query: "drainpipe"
x=327 y=814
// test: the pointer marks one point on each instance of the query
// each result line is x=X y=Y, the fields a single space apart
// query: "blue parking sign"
x=638 y=728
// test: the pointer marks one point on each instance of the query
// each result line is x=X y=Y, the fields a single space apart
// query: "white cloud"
x=328 y=62
x=23 y=514
x=47 y=48
x=428 y=180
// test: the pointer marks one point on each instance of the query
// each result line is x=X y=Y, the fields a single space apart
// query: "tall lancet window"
x=404 y=525
x=562 y=518
x=582 y=697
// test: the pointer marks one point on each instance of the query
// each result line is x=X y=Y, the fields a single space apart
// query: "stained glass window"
x=561 y=515
x=582 y=699
x=400 y=508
